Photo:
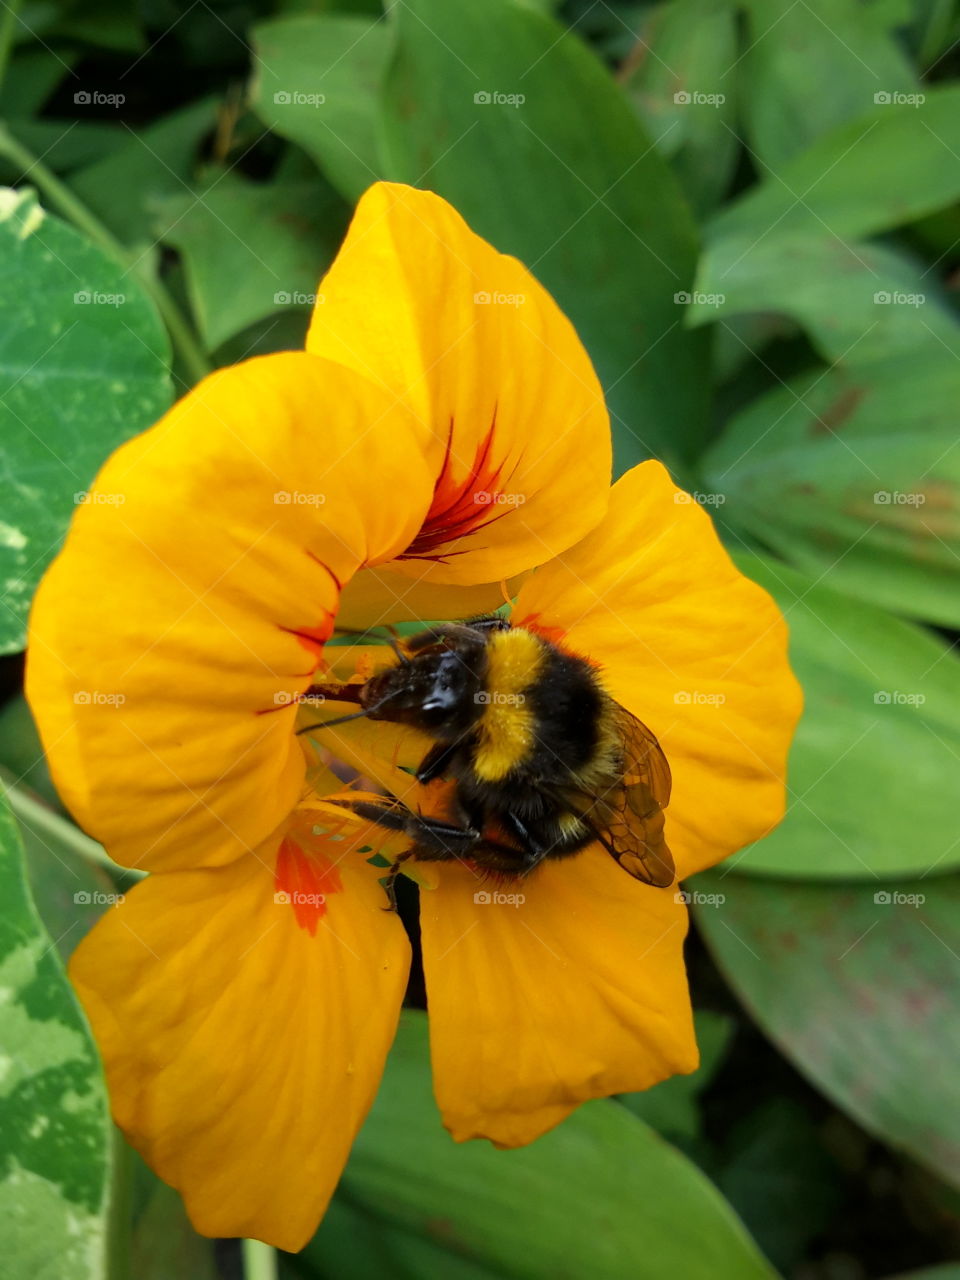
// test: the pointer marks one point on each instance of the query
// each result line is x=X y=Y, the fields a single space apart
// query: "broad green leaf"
x=684 y=89
x=64 y=145
x=124 y=188
x=30 y=78
x=525 y=1214
x=860 y=303
x=316 y=80
x=873 y=770
x=515 y=122
x=83 y=366
x=810 y=66
x=353 y=1245
x=164 y=1245
x=55 y=1130
x=251 y=250
x=854 y=475
x=860 y=987
x=672 y=1107
x=892 y=164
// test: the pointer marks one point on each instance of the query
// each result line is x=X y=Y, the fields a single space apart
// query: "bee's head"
x=435 y=691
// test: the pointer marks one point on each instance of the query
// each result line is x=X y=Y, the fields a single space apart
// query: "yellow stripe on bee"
x=507 y=726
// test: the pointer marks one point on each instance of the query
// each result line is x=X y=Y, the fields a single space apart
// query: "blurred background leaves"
x=750 y=211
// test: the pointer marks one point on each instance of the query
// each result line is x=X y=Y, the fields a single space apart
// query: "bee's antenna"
x=356 y=715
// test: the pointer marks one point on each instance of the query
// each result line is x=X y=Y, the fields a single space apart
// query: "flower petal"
x=579 y=992
x=242 y=1050
x=691 y=647
x=190 y=603
x=418 y=302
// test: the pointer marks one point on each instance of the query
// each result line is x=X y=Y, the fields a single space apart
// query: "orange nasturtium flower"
x=443 y=434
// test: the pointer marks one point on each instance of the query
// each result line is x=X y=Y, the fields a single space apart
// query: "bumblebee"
x=543 y=761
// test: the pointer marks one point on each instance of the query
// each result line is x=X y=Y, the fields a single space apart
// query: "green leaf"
x=780 y=1178
x=316 y=81
x=811 y=66
x=124 y=188
x=685 y=93
x=859 y=987
x=672 y=1107
x=569 y=182
x=29 y=80
x=524 y=1214
x=250 y=249
x=81 y=372
x=889 y=166
x=54 y=1121
x=850 y=473
x=872 y=771
x=164 y=1245
x=855 y=480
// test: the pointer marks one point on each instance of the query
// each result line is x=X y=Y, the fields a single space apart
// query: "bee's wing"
x=634 y=831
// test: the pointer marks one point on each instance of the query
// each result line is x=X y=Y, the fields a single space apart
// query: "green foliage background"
x=750 y=211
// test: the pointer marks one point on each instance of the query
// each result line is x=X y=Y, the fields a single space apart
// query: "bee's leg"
x=390 y=886
x=534 y=849
x=435 y=762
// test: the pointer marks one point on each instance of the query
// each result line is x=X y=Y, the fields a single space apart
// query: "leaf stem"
x=62 y=199
x=35 y=815
x=259 y=1261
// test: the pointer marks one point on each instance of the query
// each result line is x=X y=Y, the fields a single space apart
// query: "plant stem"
x=259 y=1261
x=61 y=198
x=38 y=817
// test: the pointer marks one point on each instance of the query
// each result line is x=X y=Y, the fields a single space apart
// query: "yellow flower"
x=443 y=433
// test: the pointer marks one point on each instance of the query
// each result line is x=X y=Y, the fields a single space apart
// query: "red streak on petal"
x=323 y=565
x=313 y=638
x=532 y=623
x=460 y=508
x=308 y=879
